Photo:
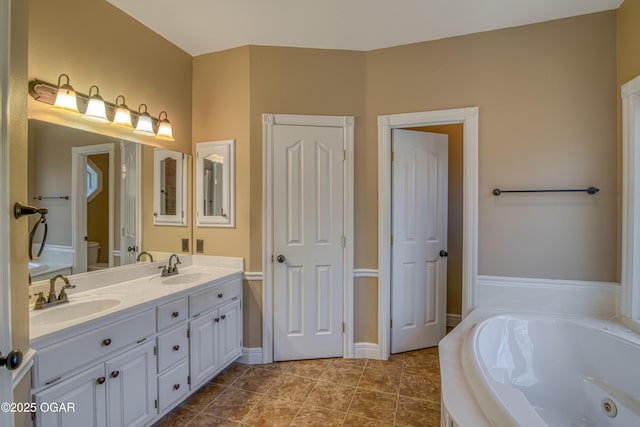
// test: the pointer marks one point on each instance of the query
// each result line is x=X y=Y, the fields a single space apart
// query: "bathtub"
x=543 y=370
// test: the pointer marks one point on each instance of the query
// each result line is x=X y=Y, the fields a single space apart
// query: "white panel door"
x=129 y=202
x=419 y=230
x=308 y=243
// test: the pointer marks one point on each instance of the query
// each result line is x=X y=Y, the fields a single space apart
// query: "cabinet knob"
x=176 y=347
x=12 y=360
x=175 y=314
x=220 y=295
x=115 y=374
x=106 y=341
x=217 y=319
x=101 y=380
x=176 y=386
x=224 y=316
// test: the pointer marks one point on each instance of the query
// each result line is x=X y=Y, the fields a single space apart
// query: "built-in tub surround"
x=531 y=370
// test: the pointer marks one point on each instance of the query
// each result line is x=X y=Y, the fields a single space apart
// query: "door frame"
x=79 y=202
x=469 y=118
x=6 y=388
x=346 y=123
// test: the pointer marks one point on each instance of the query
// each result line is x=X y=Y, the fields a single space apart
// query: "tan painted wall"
x=454 y=210
x=547 y=97
x=95 y=43
x=17 y=128
x=628 y=37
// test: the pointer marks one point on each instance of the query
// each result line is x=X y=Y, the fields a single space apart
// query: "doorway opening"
x=468 y=119
x=92 y=206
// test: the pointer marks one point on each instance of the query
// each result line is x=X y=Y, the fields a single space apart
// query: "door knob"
x=11 y=360
x=444 y=253
x=280 y=258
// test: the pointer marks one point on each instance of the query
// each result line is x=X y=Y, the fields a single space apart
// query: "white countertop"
x=137 y=287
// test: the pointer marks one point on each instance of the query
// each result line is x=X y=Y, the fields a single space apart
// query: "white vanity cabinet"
x=118 y=392
x=130 y=370
x=215 y=330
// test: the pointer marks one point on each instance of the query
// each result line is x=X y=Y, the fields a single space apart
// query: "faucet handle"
x=63 y=293
x=40 y=301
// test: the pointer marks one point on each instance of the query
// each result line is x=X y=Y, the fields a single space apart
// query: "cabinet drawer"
x=215 y=296
x=173 y=385
x=172 y=347
x=172 y=313
x=60 y=358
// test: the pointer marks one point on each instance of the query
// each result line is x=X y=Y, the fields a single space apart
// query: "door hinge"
x=155 y=403
x=189 y=379
x=188 y=333
x=392 y=156
x=155 y=350
x=344 y=154
x=392 y=240
x=343 y=326
x=343 y=241
x=390 y=323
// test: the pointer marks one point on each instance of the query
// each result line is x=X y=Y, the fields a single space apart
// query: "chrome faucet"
x=170 y=270
x=139 y=257
x=42 y=302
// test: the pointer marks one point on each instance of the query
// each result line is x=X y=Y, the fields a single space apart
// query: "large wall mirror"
x=215 y=184
x=99 y=194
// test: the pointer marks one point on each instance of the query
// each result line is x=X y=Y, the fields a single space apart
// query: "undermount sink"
x=183 y=279
x=72 y=310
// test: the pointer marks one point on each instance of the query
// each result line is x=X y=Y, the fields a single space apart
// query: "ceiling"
x=204 y=26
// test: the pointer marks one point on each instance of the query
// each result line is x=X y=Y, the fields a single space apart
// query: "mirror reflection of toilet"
x=93 y=252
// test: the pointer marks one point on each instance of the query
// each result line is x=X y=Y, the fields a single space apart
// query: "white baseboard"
x=251 y=356
x=549 y=296
x=366 y=350
x=453 y=319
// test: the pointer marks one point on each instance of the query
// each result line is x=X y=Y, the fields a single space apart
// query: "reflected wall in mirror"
x=170 y=188
x=215 y=183
x=94 y=187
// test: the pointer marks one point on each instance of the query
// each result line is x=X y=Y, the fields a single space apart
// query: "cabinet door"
x=203 y=347
x=83 y=397
x=230 y=330
x=131 y=387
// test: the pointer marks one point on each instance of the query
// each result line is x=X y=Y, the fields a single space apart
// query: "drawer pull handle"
x=115 y=374
x=175 y=314
x=217 y=319
x=106 y=342
x=176 y=347
x=224 y=316
x=176 y=386
x=101 y=380
x=220 y=295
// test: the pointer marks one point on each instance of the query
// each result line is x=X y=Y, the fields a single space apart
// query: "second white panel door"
x=308 y=241
x=419 y=224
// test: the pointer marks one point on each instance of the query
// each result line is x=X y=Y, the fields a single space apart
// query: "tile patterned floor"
x=403 y=391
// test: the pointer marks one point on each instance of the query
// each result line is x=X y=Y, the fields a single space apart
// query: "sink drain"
x=609 y=408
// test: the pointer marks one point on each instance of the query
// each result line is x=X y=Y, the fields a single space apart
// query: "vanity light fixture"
x=122 y=115
x=66 y=97
x=164 y=128
x=145 y=123
x=96 y=109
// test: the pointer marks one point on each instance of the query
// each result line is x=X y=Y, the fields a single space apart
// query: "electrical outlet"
x=185 y=245
x=199 y=246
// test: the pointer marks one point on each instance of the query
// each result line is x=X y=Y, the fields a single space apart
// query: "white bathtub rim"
x=485 y=390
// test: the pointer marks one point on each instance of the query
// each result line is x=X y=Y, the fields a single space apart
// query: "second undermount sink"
x=183 y=278
x=72 y=310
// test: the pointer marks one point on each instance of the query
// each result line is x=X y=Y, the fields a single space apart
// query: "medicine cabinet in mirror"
x=169 y=188
x=215 y=184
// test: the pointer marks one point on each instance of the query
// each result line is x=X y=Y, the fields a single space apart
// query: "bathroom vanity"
x=131 y=345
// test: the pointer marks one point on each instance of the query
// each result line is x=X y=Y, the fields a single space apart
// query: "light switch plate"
x=185 y=245
x=199 y=246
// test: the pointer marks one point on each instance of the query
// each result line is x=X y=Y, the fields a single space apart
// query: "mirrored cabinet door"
x=215 y=184
x=169 y=188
